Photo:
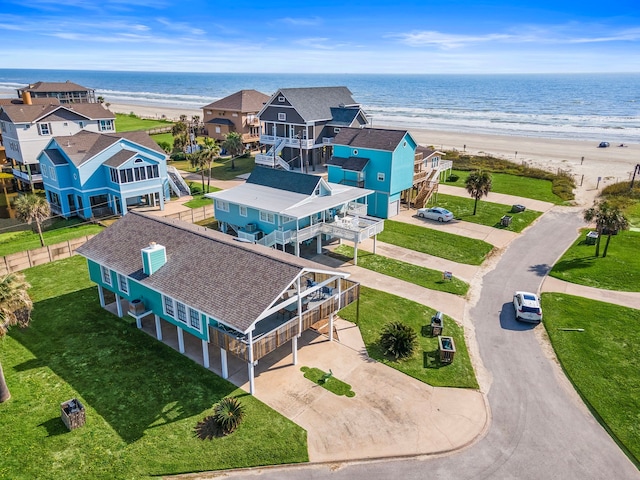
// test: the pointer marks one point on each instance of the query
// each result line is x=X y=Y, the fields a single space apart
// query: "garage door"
x=394 y=209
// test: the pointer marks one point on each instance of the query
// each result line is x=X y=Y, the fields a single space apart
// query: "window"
x=404 y=145
x=218 y=130
x=381 y=177
x=44 y=128
x=355 y=152
x=182 y=312
x=194 y=318
x=114 y=175
x=106 y=125
x=106 y=275
x=152 y=171
x=4 y=127
x=234 y=114
x=243 y=211
x=168 y=306
x=123 y=283
x=44 y=171
x=282 y=116
x=138 y=160
x=54 y=198
x=267 y=217
x=281 y=99
x=52 y=173
x=222 y=205
x=81 y=124
x=336 y=130
x=140 y=173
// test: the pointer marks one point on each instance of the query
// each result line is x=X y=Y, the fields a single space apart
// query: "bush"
x=178 y=156
x=229 y=413
x=398 y=340
x=622 y=189
x=195 y=189
x=453 y=178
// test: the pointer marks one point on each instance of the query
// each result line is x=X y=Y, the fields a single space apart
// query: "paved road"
x=540 y=429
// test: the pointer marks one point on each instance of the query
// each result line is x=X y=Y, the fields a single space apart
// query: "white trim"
x=241 y=208
x=126 y=283
x=266 y=217
x=105 y=273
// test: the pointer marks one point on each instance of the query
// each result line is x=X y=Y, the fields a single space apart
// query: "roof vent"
x=153 y=258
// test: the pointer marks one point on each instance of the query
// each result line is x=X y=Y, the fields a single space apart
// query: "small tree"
x=15 y=309
x=33 y=209
x=398 y=339
x=210 y=151
x=233 y=143
x=229 y=413
x=608 y=218
x=197 y=161
x=478 y=184
x=180 y=133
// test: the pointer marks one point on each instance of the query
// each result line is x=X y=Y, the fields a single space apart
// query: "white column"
x=223 y=361
x=319 y=243
x=119 y=305
x=158 y=328
x=252 y=386
x=205 y=353
x=139 y=322
x=101 y=295
x=294 y=349
x=297 y=248
x=375 y=243
x=355 y=253
x=161 y=197
x=331 y=327
x=180 y=339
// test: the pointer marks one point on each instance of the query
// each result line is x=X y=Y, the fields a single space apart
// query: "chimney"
x=153 y=257
x=26 y=97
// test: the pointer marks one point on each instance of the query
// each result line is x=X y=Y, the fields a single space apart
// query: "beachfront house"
x=381 y=160
x=298 y=125
x=429 y=170
x=90 y=174
x=29 y=126
x=257 y=299
x=64 y=92
x=237 y=112
x=279 y=208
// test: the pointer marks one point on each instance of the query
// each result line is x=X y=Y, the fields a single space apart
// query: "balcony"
x=353 y=228
x=304 y=143
x=25 y=177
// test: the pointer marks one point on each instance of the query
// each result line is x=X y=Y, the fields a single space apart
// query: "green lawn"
x=619 y=270
x=488 y=213
x=60 y=231
x=163 y=137
x=434 y=242
x=128 y=123
x=527 y=187
x=425 y=277
x=378 y=308
x=142 y=398
x=603 y=362
x=220 y=169
x=200 y=200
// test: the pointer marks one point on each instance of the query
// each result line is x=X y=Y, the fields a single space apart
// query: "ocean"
x=594 y=107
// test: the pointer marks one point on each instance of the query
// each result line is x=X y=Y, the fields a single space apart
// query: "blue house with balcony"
x=259 y=299
x=381 y=160
x=91 y=174
x=278 y=208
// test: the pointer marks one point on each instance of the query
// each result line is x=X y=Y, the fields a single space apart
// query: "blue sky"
x=421 y=36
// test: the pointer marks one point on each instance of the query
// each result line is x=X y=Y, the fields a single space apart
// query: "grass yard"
x=434 y=242
x=425 y=277
x=619 y=270
x=59 y=231
x=220 y=169
x=200 y=200
x=377 y=308
x=128 y=123
x=164 y=137
x=488 y=213
x=142 y=398
x=603 y=362
x=536 y=188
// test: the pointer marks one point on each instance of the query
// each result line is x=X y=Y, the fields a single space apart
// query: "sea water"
x=594 y=107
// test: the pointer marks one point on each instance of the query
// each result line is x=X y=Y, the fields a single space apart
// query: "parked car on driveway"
x=527 y=307
x=436 y=213
x=603 y=145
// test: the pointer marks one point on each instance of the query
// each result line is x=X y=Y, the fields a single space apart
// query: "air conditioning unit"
x=251 y=227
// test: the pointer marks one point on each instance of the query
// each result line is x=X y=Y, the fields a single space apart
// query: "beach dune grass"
x=142 y=398
x=377 y=308
x=602 y=361
x=434 y=242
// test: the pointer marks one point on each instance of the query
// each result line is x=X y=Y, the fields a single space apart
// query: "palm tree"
x=608 y=219
x=181 y=135
x=197 y=161
x=478 y=184
x=15 y=309
x=229 y=413
x=32 y=208
x=233 y=144
x=209 y=152
x=398 y=339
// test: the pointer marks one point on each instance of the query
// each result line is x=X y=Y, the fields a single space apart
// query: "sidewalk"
x=625 y=299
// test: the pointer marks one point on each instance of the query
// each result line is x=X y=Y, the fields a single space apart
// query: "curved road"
x=539 y=429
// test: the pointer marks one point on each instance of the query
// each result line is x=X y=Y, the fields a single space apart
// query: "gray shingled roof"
x=373 y=138
x=220 y=121
x=354 y=164
x=31 y=113
x=314 y=103
x=119 y=158
x=284 y=180
x=34 y=101
x=55 y=156
x=47 y=87
x=343 y=116
x=244 y=101
x=240 y=282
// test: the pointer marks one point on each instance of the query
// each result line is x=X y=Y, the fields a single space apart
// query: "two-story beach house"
x=429 y=170
x=258 y=300
x=64 y=92
x=27 y=128
x=377 y=159
x=279 y=208
x=236 y=113
x=89 y=174
x=299 y=125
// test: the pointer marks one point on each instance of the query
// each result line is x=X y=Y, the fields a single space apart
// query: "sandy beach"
x=583 y=159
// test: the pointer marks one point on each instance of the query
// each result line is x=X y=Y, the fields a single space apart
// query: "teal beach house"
x=92 y=175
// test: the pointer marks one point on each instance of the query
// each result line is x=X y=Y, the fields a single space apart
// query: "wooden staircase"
x=428 y=187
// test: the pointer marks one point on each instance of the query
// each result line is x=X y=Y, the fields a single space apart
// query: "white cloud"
x=302 y=22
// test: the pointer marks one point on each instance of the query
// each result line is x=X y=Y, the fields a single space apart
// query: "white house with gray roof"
x=257 y=299
x=299 y=125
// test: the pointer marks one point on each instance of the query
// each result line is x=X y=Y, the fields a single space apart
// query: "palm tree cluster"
x=478 y=184
x=609 y=220
x=398 y=340
x=227 y=416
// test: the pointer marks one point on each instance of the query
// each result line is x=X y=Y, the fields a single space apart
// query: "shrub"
x=453 y=178
x=195 y=189
x=229 y=413
x=398 y=340
x=178 y=156
x=622 y=189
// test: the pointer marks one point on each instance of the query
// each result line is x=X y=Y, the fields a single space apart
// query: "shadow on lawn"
x=129 y=378
x=565 y=265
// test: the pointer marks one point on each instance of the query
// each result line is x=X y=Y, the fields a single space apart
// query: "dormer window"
x=282 y=117
x=44 y=129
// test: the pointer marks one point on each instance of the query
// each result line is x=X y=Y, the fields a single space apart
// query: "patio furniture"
x=326 y=292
